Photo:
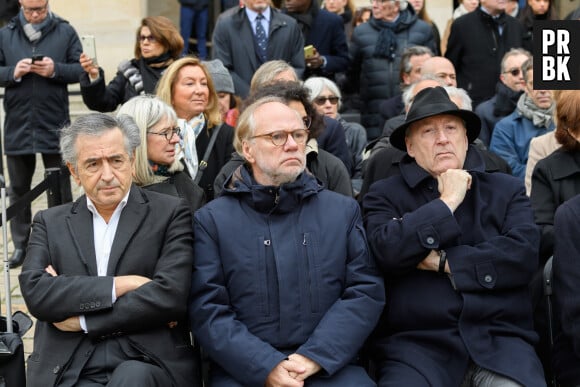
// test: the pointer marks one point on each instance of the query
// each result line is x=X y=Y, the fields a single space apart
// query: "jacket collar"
x=270 y=199
x=80 y=223
x=570 y=165
x=413 y=174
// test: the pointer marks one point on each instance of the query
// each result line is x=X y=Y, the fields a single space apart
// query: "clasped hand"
x=453 y=184
x=292 y=372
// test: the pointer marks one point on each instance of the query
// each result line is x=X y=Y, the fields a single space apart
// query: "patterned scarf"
x=386 y=46
x=189 y=132
x=539 y=117
x=158 y=169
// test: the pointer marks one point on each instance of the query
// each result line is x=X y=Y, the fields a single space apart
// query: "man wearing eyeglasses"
x=507 y=92
x=39 y=57
x=287 y=293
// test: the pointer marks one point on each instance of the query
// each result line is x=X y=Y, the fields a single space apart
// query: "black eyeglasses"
x=514 y=72
x=150 y=38
x=168 y=134
x=322 y=100
x=30 y=11
x=280 y=137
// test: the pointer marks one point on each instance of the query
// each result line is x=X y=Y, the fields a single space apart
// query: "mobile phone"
x=89 y=48
x=309 y=51
x=37 y=58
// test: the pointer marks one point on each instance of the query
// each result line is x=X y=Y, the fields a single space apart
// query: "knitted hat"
x=222 y=80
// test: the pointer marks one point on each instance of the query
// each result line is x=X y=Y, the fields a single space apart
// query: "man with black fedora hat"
x=458 y=248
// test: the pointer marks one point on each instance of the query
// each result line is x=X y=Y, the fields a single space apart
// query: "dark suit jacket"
x=154 y=239
x=233 y=44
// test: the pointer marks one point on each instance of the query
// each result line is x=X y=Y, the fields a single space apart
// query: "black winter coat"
x=37 y=107
x=377 y=77
x=476 y=52
x=107 y=98
x=555 y=179
x=435 y=323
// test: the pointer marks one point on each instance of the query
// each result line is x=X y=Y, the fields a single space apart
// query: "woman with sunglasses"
x=325 y=96
x=156 y=165
x=157 y=45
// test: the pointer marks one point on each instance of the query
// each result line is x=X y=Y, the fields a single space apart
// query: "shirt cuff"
x=83 y=323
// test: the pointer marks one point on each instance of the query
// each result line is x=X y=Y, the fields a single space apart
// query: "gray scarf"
x=539 y=117
x=34 y=31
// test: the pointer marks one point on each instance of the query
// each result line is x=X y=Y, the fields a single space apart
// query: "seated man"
x=458 y=247
x=288 y=291
x=107 y=276
x=533 y=117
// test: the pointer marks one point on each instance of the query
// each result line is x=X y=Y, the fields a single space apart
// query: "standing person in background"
x=246 y=37
x=420 y=7
x=464 y=7
x=324 y=31
x=477 y=43
x=346 y=10
x=39 y=58
x=229 y=102
x=536 y=10
x=189 y=88
x=8 y=9
x=375 y=53
x=194 y=13
x=157 y=45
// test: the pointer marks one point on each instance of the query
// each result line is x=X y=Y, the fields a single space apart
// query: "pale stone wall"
x=113 y=23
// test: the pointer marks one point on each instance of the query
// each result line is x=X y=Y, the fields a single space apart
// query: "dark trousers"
x=349 y=376
x=112 y=363
x=20 y=172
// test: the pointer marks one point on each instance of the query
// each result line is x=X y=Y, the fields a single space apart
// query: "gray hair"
x=316 y=85
x=267 y=73
x=246 y=126
x=513 y=52
x=460 y=94
x=408 y=54
x=409 y=93
x=95 y=125
x=147 y=111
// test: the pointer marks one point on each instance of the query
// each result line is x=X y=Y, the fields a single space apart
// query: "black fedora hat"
x=430 y=102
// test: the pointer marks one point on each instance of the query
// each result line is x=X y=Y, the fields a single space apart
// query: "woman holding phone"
x=157 y=45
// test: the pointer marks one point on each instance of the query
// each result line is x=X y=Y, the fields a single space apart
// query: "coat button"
x=430 y=240
x=56 y=369
x=488 y=278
